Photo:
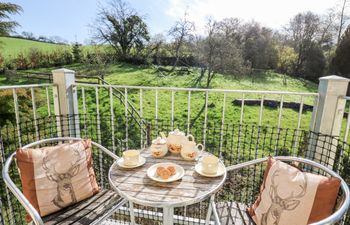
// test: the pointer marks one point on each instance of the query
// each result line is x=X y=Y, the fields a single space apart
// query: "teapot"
x=191 y=150
x=159 y=148
x=176 y=139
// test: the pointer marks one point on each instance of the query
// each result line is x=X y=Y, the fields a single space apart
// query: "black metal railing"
x=241 y=142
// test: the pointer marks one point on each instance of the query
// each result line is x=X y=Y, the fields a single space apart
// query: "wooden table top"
x=136 y=186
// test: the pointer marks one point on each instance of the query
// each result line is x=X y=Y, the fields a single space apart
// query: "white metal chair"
x=243 y=183
x=91 y=211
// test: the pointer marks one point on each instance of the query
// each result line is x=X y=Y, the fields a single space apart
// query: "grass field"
x=131 y=75
x=125 y=74
x=10 y=47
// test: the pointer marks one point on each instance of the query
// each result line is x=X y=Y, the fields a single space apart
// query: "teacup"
x=210 y=164
x=190 y=150
x=159 y=148
x=131 y=157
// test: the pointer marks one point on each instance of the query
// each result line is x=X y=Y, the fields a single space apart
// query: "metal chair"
x=90 y=211
x=243 y=183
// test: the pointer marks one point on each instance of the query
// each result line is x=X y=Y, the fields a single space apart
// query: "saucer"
x=120 y=163
x=151 y=172
x=220 y=172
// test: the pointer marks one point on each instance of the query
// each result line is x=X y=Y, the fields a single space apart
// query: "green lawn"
x=125 y=74
x=10 y=47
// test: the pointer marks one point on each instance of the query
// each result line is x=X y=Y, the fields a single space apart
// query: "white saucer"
x=151 y=172
x=120 y=163
x=220 y=172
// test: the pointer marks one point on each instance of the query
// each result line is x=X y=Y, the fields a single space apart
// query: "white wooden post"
x=327 y=118
x=66 y=102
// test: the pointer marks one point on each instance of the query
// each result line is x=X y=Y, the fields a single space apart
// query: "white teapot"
x=191 y=150
x=159 y=147
x=175 y=140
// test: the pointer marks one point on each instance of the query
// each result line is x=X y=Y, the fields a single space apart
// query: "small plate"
x=151 y=172
x=120 y=163
x=220 y=172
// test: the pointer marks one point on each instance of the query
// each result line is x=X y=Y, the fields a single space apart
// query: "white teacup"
x=190 y=150
x=210 y=164
x=131 y=157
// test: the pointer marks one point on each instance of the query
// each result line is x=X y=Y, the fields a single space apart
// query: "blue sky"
x=70 y=19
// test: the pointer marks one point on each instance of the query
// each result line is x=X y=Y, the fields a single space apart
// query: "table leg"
x=132 y=215
x=168 y=215
x=210 y=209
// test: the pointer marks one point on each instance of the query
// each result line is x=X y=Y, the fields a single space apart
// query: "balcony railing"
x=123 y=117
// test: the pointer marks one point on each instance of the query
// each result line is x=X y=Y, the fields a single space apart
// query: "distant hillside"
x=10 y=47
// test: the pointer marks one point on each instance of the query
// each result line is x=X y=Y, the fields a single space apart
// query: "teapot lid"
x=158 y=141
x=177 y=132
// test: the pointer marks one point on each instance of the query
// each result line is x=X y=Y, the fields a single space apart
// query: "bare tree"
x=219 y=51
x=154 y=46
x=121 y=27
x=328 y=29
x=343 y=18
x=181 y=32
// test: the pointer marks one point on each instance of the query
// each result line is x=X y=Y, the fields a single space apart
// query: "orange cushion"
x=290 y=196
x=58 y=176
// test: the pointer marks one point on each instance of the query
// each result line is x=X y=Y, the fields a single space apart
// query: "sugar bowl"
x=159 y=147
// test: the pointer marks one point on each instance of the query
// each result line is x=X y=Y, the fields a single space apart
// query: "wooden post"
x=327 y=118
x=66 y=102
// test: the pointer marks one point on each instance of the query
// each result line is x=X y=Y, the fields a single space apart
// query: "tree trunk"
x=341 y=24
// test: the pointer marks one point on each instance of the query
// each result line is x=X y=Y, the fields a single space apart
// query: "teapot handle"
x=190 y=137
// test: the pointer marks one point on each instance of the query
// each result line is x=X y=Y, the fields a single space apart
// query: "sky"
x=71 y=19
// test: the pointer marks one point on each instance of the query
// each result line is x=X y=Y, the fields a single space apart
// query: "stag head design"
x=65 y=193
x=279 y=204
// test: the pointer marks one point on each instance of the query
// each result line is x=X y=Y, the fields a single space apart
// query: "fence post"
x=66 y=102
x=327 y=118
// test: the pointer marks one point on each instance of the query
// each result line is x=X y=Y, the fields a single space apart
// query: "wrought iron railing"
x=122 y=117
x=254 y=142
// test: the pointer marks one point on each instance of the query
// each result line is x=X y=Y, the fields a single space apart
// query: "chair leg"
x=240 y=213
x=211 y=210
x=215 y=213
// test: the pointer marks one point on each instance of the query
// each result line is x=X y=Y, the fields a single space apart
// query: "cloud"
x=272 y=13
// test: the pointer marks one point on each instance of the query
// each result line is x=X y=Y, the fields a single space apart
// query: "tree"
x=218 y=52
x=340 y=62
x=155 y=45
x=122 y=28
x=76 y=51
x=6 y=9
x=181 y=32
x=259 y=47
x=343 y=18
x=28 y=35
x=304 y=35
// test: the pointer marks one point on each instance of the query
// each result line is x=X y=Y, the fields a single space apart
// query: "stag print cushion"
x=58 y=176
x=289 y=196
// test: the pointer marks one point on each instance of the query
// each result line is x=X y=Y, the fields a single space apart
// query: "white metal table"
x=135 y=186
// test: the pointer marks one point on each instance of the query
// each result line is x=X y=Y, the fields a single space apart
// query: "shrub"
x=21 y=61
x=2 y=62
x=286 y=58
x=59 y=57
x=76 y=51
x=35 y=58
